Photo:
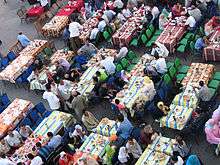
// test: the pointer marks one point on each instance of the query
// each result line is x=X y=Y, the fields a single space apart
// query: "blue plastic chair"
x=40 y=108
x=2 y=108
x=26 y=121
x=47 y=113
x=11 y=56
x=5 y=100
x=4 y=62
x=34 y=115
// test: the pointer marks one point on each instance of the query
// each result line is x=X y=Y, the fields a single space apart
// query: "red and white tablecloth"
x=171 y=35
x=35 y=11
x=13 y=114
x=212 y=51
x=70 y=8
x=129 y=29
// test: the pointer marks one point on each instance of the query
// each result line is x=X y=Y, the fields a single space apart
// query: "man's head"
x=74 y=93
x=95 y=79
x=20 y=33
x=38 y=145
x=22 y=127
x=30 y=156
x=48 y=87
x=120 y=118
x=117 y=101
x=148 y=129
x=174 y=159
x=131 y=141
x=201 y=83
x=98 y=73
x=50 y=135
x=86 y=113
x=10 y=133
x=156 y=56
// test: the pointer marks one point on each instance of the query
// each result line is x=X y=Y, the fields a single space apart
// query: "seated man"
x=108 y=64
x=88 y=49
x=25 y=131
x=190 y=22
x=160 y=65
x=35 y=160
x=54 y=140
x=44 y=151
x=23 y=39
x=109 y=13
x=122 y=52
x=4 y=147
x=159 y=49
x=200 y=44
x=101 y=75
x=14 y=139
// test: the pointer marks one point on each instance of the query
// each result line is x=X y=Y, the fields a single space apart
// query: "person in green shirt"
x=109 y=153
x=102 y=76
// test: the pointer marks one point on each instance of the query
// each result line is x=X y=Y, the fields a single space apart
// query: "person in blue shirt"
x=125 y=128
x=44 y=151
x=55 y=140
x=23 y=39
x=200 y=44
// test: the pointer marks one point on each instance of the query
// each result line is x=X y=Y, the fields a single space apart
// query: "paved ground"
x=10 y=26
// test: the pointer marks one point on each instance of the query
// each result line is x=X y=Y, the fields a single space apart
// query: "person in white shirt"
x=102 y=24
x=14 y=139
x=122 y=53
x=25 y=131
x=127 y=13
x=109 y=13
x=118 y=4
x=191 y=22
x=74 y=29
x=5 y=161
x=159 y=49
x=123 y=155
x=134 y=148
x=35 y=160
x=195 y=12
x=63 y=87
x=108 y=64
x=54 y=140
x=52 y=99
x=93 y=34
x=176 y=159
x=155 y=12
x=121 y=18
x=44 y=3
x=160 y=65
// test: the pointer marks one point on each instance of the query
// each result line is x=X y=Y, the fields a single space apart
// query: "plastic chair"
x=184 y=41
x=119 y=68
x=183 y=69
x=189 y=36
x=5 y=100
x=143 y=38
x=124 y=62
x=216 y=76
x=131 y=55
x=48 y=51
x=214 y=84
x=40 y=108
x=169 y=64
x=106 y=35
x=180 y=77
x=47 y=113
x=181 y=48
x=167 y=79
x=26 y=121
x=130 y=67
x=148 y=33
x=172 y=72
x=11 y=56
x=134 y=42
x=2 y=108
x=34 y=115
x=5 y=62
x=158 y=32
x=151 y=27
x=177 y=63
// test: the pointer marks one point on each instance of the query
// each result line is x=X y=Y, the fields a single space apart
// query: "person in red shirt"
x=66 y=159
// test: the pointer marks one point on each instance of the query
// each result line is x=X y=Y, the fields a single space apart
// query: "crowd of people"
x=133 y=134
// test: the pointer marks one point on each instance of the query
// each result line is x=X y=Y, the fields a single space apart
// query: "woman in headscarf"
x=65 y=64
x=123 y=155
x=193 y=160
x=89 y=120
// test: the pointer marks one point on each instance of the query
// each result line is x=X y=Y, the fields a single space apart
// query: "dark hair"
x=130 y=138
x=20 y=163
x=176 y=153
x=98 y=73
x=21 y=125
x=20 y=33
x=38 y=144
x=49 y=134
x=30 y=156
x=48 y=87
x=201 y=83
x=117 y=101
x=187 y=15
x=156 y=56
x=107 y=8
x=120 y=117
x=174 y=158
x=95 y=79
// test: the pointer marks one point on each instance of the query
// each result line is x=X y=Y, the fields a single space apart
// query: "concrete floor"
x=10 y=26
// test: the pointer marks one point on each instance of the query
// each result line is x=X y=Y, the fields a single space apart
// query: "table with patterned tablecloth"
x=212 y=51
x=177 y=117
x=150 y=157
x=129 y=28
x=106 y=127
x=95 y=145
x=13 y=114
x=53 y=123
x=35 y=11
x=23 y=61
x=196 y=73
x=138 y=90
x=172 y=33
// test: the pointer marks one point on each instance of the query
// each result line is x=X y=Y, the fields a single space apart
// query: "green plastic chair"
x=158 y=32
x=167 y=79
x=192 y=45
x=134 y=42
x=172 y=71
x=152 y=40
x=151 y=27
x=189 y=36
x=213 y=92
x=180 y=77
x=48 y=51
x=135 y=60
x=109 y=29
x=181 y=48
x=184 y=41
x=148 y=33
x=119 y=68
x=169 y=64
x=183 y=69
x=144 y=38
x=106 y=35
x=196 y=38
x=129 y=68
x=177 y=63
x=124 y=62
x=216 y=76
x=213 y=84
x=131 y=55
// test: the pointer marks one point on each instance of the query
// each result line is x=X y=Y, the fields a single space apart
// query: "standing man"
x=23 y=39
x=74 y=29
